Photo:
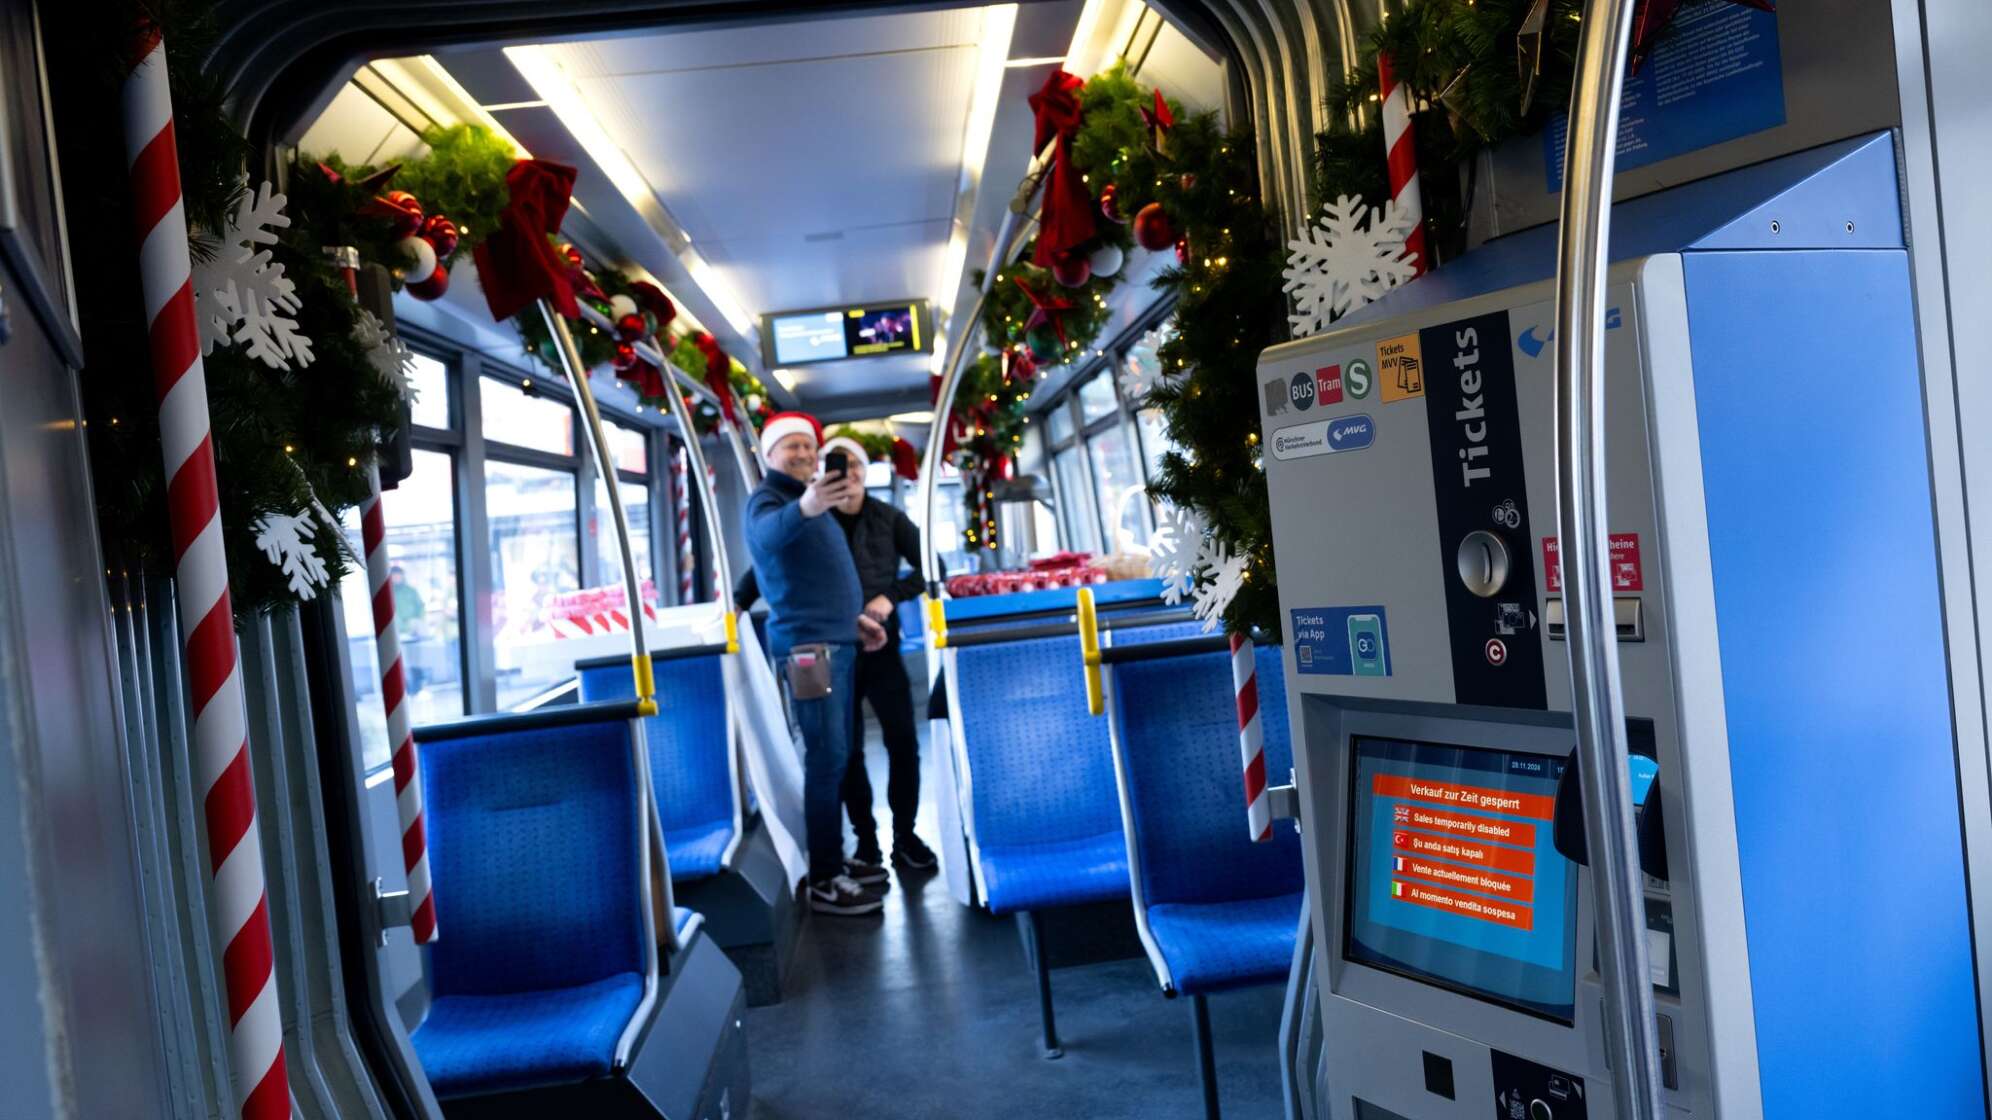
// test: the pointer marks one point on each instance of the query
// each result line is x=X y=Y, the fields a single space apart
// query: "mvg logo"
x=1533 y=345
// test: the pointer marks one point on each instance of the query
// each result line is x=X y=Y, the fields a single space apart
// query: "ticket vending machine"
x=1774 y=588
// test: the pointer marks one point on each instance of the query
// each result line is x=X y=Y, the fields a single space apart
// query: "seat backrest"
x=689 y=745
x=533 y=847
x=1177 y=722
x=1040 y=767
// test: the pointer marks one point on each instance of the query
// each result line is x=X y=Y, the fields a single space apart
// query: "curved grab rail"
x=1089 y=652
x=715 y=531
x=1598 y=693
x=605 y=466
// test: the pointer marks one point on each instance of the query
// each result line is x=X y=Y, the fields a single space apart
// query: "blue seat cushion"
x=474 y=1044
x=1212 y=946
x=1055 y=873
x=695 y=850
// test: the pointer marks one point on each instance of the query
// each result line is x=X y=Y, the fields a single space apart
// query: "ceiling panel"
x=774 y=42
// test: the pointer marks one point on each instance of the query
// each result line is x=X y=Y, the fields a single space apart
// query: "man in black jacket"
x=881 y=536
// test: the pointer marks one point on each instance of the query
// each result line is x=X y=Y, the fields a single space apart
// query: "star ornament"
x=1653 y=17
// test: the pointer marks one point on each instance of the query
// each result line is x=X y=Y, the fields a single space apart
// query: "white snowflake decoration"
x=1142 y=370
x=286 y=540
x=240 y=294
x=386 y=353
x=1342 y=264
x=1172 y=554
x=1223 y=577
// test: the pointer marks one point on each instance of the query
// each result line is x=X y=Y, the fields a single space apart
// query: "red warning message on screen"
x=1464 y=851
x=1626 y=574
x=1467 y=878
x=1465 y=905
x=1532 y=805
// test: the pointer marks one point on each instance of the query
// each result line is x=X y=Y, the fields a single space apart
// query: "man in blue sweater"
x=816 y=625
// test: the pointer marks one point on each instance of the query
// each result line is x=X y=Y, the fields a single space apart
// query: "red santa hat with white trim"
x=782 y=425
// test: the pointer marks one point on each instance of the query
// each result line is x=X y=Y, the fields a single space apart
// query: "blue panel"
x=1052 y=599
x=1214 y=946
x=492 y=1043
x=1816 y=192
x=1034 y=876
x=1833 y=669
x=688 y=755
x=1178 y=722
x=533 y=852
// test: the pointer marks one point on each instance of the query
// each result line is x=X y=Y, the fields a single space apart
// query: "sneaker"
x=843 y=897
x=867 y=873
x=910 y=853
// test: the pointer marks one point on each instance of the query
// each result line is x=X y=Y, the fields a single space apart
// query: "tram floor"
x=928 y=1012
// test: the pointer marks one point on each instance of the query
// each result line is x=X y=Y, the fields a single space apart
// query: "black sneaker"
x=910 y=853
x=843 y=897
x=867 y=873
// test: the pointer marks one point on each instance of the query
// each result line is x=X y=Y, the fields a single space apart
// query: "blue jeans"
x=826 y=750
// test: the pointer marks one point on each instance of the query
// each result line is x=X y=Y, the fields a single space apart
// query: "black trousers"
x=882 y=681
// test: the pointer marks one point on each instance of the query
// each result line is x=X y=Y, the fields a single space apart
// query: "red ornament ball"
x=1072 y=271
x=1109 y=205
x=574 y=259
x=1153 y=230
x=431 y=288
x=629 y=327
x=441 y=233
x=625 y=359
x=403 y=212
x=1183 y=250
x=1187 y=181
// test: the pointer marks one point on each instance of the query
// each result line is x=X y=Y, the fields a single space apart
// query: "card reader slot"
x=1627 y=616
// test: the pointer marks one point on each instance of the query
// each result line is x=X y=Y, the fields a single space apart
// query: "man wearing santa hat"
x=816 y=626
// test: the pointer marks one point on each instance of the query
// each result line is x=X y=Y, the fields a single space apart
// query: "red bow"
x=1159 y=119
x=646 y=379
x=1066 y=220
x=518 y=265
x=718 y=368
x=905 y=460
x=1049 y=309
x=651 y=298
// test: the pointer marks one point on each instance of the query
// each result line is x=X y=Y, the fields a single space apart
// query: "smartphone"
x=836 y=464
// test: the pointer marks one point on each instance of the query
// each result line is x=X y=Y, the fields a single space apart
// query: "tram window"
x=636 y=506
x=535 y=555
x=1096 y=398
x=630 y=447
x=1058 y=422
x=421 y=543
x=1155 y=441
x=512 y=416
x=430 y=379
x=1121 y=493
x=1082 y=529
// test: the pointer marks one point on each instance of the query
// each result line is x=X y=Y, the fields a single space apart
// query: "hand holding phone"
x=837 y=464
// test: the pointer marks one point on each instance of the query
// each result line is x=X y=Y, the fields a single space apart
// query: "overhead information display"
x=832 y=334
x=1455 y=878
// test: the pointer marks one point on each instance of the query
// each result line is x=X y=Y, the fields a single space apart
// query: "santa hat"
x=782 y=425
x=850 y=447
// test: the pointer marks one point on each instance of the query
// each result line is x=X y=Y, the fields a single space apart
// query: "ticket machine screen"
x=1454 y=877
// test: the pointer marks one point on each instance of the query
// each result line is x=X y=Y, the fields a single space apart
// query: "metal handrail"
x=1631 y=1034
x=715 y=531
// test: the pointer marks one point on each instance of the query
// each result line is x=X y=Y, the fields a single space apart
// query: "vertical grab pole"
x=720 y=566
x=605 y=464
x=1631 y=1034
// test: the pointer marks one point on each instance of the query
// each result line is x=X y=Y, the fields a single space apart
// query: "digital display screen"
x=1454 y=876
x=802 y=337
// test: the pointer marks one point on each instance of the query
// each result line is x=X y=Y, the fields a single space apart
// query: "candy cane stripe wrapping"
x=1251 y=737
x=1400 y=144
x=681 y=500
x=237 y=895
x=393 y=694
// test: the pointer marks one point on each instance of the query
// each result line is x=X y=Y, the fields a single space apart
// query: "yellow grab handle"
x=732 y=632
x=646 y=684
x=937 y=622
x=1089 y=652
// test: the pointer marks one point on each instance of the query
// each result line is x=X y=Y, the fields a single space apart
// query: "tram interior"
x=530 y=785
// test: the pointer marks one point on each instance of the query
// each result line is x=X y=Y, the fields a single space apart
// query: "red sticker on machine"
x=1626 y=572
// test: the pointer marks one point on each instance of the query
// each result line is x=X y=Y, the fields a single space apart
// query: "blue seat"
x=536 y=827
x=1216 y=910
x=691 y=755
x=1046 y=823
x=1220 y=909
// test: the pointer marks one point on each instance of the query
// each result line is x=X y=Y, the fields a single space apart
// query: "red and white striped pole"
x=681 y=499
x=1400 y=145
x=1251 y=737
x=712 y=484
x=393 y=697
x=241 y=908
